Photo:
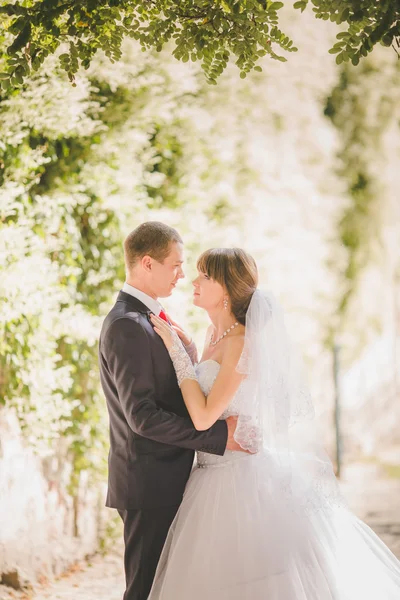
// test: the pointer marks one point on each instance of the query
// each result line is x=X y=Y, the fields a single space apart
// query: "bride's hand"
x=185 y=339
x=165 y=331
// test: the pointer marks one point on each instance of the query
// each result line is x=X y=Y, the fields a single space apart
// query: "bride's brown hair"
x=236 y=271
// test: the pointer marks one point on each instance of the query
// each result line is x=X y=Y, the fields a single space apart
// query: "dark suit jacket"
x=152 y=438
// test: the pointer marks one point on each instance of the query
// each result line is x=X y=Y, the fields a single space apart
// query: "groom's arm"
x=126 y=349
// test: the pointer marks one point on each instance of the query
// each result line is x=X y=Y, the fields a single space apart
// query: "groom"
x=152 y=439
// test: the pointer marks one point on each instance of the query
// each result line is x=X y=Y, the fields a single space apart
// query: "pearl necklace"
x=223 y=335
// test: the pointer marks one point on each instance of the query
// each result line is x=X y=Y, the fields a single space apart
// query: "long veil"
x=277 y=416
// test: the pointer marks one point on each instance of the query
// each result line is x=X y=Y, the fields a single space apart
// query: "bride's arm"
x=204 y=411
x=191 y=349
x=187 y=342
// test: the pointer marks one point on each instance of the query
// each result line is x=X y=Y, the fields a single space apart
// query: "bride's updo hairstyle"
x=236 y=271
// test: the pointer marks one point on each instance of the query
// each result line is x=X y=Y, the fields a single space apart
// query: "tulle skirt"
x=239 y=536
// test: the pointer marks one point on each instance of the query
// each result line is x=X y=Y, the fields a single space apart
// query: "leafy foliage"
x=62 y=259
x=368 y=23
x=362 y=106
x=205 y=31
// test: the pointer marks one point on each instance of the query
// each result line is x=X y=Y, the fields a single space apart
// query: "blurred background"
x=298 y=164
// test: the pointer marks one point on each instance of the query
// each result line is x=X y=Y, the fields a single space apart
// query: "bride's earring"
x=226 y=304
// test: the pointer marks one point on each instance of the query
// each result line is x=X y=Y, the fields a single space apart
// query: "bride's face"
x=207 y=293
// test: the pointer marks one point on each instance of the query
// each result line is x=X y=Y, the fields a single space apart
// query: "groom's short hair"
x=150 y=239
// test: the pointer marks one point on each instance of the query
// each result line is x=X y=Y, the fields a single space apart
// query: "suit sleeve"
x=126 y=349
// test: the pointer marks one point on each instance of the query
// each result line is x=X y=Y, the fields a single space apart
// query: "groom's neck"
x=141 y=285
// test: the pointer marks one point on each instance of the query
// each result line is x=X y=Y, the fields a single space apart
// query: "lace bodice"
x=207 y=373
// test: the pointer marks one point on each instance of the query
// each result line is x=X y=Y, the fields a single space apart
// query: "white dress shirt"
x=148 y=301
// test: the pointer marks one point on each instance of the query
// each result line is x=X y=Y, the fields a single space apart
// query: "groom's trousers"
x=145 y=531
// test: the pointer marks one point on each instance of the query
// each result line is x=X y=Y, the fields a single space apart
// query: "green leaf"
x=6 y=84
x=17 y=25
x=387 y=40
x=21 y=40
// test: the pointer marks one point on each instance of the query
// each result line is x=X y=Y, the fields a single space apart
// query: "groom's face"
x=166 y=275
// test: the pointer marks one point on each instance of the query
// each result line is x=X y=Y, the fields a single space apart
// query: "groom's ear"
x=147 y=263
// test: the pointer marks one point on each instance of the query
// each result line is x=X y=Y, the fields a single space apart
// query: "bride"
x=268 y=523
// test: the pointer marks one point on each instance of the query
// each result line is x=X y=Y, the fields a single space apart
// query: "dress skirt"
x=239 y=535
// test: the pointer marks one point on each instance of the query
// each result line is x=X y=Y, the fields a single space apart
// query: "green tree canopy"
x=206 y=30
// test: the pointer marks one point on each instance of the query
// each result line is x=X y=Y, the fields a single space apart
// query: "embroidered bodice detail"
x=207 y=372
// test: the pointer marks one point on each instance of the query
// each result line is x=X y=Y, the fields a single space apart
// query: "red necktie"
x=163 y=316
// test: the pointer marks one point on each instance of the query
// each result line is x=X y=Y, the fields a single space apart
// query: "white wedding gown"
x=238 y=537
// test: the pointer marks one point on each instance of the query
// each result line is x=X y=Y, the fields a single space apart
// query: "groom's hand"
x=232 y=443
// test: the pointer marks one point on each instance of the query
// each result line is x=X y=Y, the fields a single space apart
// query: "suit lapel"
x=139 y=307
x=162 y=353
x=136 y=304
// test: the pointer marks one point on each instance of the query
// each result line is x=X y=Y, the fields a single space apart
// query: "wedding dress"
x=243 y=533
